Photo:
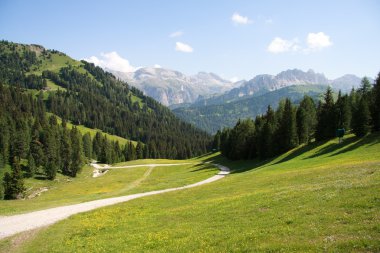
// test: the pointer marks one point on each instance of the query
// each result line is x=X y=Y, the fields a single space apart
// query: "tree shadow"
x=369 y=140
x=349 y=144
x=301 y=150
x=238 y=166
x=40 y=176
x=332 y=147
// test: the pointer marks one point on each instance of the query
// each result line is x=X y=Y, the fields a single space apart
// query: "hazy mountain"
x=262 y=84
x=347 y=82
x=172 y=87
x=216 y=116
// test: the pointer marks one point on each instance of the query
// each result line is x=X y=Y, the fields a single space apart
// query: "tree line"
x=276 y=132
x=35 y=144
x=96 y=99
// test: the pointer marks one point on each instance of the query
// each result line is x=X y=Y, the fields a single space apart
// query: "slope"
x=321 y=197
x=96 y=99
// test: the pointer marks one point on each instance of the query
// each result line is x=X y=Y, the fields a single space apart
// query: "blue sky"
x=230 y=38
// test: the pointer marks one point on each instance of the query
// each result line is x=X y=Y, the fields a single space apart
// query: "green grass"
x=319 y=198
x=83 y=130
x=55 y=63
x=53 y=87
x=65 y=190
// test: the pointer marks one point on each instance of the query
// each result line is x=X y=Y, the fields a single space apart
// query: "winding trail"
x=10 y=225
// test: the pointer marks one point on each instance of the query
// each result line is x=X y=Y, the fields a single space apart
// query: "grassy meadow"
x=66 y=190
x=317 y=198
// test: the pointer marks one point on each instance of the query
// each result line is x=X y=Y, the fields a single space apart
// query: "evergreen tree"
x=376 y=104
x=266 y=136
x=146 y=152
x=241 y=135
x=216 y=142
x=87 y=146
x=50 y=169
x=77 y=152
x=65 y=146
x=287 y=137
x=306 y=120
x=343 y=111
x=36 y=147
x=361 y=120
x=132 y=151
x=139 y=150
x=326 y=126
x=97 y=144
x=31 y=165
x=225 y=145
x=13 y=183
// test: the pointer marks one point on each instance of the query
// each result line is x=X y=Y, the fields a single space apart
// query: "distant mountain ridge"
x=262 y=84
x=171 y=87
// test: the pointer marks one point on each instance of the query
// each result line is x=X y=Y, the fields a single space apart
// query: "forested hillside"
x=212 y=118
x=42 y=90
x=87 y=95
x=276 y=132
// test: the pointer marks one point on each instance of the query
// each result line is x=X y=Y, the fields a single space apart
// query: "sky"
x=234 y=39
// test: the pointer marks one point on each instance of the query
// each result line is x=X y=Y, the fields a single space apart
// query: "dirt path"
x=10 y=225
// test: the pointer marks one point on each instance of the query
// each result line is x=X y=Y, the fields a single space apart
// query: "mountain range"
x=262 y=84
x=175 y=89
x=171 y=87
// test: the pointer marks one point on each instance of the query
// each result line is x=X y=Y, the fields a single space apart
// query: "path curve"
x=10 y=225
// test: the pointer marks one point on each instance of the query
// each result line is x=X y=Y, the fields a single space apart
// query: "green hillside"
x=86 y=95
x=317 y=198
x=212 y=118
x=65 y=190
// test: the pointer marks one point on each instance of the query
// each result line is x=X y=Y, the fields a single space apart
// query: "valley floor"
x=10 y=225
x=322 y=197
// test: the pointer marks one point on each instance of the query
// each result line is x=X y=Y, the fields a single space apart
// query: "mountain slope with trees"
x=212 y=118
x=31 y=137
x=277 y=132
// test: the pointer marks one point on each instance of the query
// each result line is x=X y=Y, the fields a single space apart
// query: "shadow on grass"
x=237 y=166
x=332 y=147
x=369 y=140
x=40 y=176
x=349 y=144
x=299 y=151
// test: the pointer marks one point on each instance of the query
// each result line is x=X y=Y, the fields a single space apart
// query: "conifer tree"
x=265 y=138
x=306 y=120
x=36 y=146
x=31 y=165
x=376 y=104
x=326 y=126
x=87 y=145
x=132 y=151
x=139 y=150
x=362 y=118
x=287 y=137
x=343 y=112
x=13 y=183
x=216 y=142
x=66 y=149
x=77 y=152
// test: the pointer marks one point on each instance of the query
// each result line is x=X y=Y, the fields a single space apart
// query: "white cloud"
x=240 y=20
x=113 y=61
x=157 y=66
x=279 y=45
x=182 y=47
x=176 y=34
x=316 y=41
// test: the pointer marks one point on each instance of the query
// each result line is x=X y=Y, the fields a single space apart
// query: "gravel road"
x=10 y=225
